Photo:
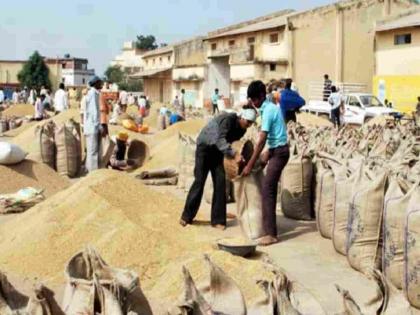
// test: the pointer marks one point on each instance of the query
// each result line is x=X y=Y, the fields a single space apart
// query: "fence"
x=318 y=93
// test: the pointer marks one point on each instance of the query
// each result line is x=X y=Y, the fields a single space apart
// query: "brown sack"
x=107 y=148
x=159 y=173
x=412 y=250
x=242 y=148
x=172 y=181
x=248 y=204
x=364 y=247
x=69 y=155
x=396 y=201
x=296 y=187
x=45 y=151
x=343 y=182
x=138 y=151
x=324 y=197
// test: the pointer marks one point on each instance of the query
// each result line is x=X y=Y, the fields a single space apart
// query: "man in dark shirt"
x=290 y=102
x=327 y=88
x=213 y=143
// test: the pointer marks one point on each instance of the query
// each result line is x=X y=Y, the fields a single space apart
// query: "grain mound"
x=131 y=226
x=15 y=132
x=26 y=138
x=31 y=174
x=310 y=120
x=19 y=110
x=191 y=127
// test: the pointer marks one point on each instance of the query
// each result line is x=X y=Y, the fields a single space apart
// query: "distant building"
x=397 y=55
x=72 y=71
x=130 y=58
x=157 y=74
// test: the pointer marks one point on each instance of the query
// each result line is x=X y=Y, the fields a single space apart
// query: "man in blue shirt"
x=214 y=99
x=290 y=102
x=274 y=133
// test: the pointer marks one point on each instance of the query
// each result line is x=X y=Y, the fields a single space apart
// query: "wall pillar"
x=339 y=33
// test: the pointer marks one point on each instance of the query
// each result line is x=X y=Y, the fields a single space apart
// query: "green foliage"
x=146 y=42
x=114 y=74
x=35 y=73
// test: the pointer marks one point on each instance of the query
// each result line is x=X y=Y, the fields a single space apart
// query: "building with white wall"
x=74 y=71
x=130 y=58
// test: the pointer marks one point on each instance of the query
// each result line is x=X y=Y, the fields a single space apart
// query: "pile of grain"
x=25 y=139
x=310 y=120
x=31 y=174
x=132 y=227
x=380 y=120
x=19 y=110
x=191 y=127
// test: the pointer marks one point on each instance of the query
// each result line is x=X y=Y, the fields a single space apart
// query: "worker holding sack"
x=213 y=144
x=274 y=133
x=118 y=160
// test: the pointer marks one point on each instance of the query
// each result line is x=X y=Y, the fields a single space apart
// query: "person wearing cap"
x=213 y=144
x=118 y=160
x=274 y=133
x=92 y=127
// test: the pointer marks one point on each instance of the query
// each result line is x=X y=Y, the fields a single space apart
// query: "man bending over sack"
x=274 y=132
x=213 y=143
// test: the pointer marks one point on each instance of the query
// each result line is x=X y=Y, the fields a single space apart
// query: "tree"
x=114 y=74
x=35 y=73
x=146 y=42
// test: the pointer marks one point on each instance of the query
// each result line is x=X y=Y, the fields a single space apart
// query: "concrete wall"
x=182 y=74
x=394 y=59
x=191 y=53
x=160 y=61
x=159 y=88
x=194 y=92
x=218 y=77
x=339 y=40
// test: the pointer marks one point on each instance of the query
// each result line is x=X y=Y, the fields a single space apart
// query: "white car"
x=359 y=108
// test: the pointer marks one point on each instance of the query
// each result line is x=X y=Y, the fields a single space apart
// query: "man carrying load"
x=274 y=132
x=213 y=143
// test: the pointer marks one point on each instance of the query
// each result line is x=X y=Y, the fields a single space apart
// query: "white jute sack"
x=296 y=186
x=412 y=250
x=69 y=149
x=343 y=182
x=45 y=151
x=11 y=153
x=364 y=241
x=249 y=204
x=397 y=197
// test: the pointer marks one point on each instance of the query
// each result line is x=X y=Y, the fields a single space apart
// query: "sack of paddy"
x=388 y=300
x=41 y=301
x=364 y=241
x=284 y=296
x=324 y=195
x=159 y=173
x=208 y=191
x=45 y=150
x=224 y=296
x=412 y=250
x=94 y=287
x=11 y=154
x=68 y=143
x=296 y=186
x=397 y=197
x=343 y=183
x=138 y=152
x=248 y=204
x=107 y=148
x=243 y=149
x=172 y=181
x=187 y=147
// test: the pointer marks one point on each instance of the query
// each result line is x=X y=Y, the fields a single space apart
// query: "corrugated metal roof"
x=255 y=27
x=402 y=22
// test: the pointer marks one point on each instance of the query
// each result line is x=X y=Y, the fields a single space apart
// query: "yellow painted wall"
x=401 y=90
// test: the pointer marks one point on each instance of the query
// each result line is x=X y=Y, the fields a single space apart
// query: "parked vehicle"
x=359 y=108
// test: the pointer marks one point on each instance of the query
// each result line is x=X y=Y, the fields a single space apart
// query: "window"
x=402 y=39
x=213 y=46
x=251 y=40
x=273 y=67
x=83 y=81
x=169 y=58
x=231 y=43
x=354 y=102
x=160 y=59
x=251 y=55
x=154 y=60
x=274 y=38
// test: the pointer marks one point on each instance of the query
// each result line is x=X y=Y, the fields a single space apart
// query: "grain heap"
x=130 y=225
x=19 y=110
x=31 y=174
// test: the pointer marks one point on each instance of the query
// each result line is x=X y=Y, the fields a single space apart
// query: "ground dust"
x=31 y=174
